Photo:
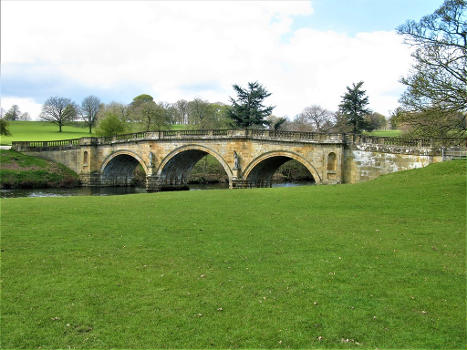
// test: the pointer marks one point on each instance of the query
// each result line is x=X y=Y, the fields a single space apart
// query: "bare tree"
x=182 y=111
x=119 y=109
x=439 y=75
x=58 y=110
x=89 y=110
x=314 y=118
x=13 y=113
x=25 y=116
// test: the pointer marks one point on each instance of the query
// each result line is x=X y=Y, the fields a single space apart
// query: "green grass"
x=41 y=131
x=386 y=133
x=378 y=264
x=18 y=170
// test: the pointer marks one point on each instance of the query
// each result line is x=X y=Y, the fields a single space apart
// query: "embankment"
x=21 y=171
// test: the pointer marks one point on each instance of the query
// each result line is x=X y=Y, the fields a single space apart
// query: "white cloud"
x=171 y=45
x=25 y=105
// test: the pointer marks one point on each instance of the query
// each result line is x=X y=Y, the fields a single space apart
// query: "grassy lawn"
x=378 y=264
x=44 y=131
x=41 y=131
x=386 y=133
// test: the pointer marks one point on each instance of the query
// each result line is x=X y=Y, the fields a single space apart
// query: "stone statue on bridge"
x=236 y=161
x=151 y=160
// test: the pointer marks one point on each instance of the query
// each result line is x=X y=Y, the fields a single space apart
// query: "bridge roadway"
x=249 y=157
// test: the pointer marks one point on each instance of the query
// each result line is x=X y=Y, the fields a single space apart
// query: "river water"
x=111 y=191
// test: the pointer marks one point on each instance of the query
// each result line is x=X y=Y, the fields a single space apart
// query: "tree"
x=153 y=116
x=4 y=127
x=315 y=118
x=120 y=110
x=110 y=125
x=205 y=115
x=25 y=116
x=13 y=113
x=439 y=76
x=430 y=123
x=149 y=114
x=58 y=110
x=248 y=109
x=353 y=107
x=181 y=112
x=89 y=110
x=375 y=121
x=278 y=123
x=140 y=99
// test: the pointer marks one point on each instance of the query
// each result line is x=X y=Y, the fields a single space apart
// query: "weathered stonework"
x=167 y=157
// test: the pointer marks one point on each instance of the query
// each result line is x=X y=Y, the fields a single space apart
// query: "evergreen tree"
x=4 y=127
x=248 y=109
x=353 y=107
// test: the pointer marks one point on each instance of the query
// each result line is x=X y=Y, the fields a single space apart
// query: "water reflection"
x=112 y=191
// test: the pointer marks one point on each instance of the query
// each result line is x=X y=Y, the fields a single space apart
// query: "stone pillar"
x=90 y=179
x=238 y=183
x=236 y=174
x=153 y=183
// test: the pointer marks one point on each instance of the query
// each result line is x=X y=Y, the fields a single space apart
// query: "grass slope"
x=378 y=264
x=385 y=133
x=18 y=170
x=41 y=131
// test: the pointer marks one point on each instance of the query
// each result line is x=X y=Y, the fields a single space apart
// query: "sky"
x=303 y=52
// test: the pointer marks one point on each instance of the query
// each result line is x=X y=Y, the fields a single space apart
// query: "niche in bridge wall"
x=332 y=161
x=331 y=166
x=85 y=158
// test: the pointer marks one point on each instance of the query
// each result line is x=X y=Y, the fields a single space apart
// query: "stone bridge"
x=249 y=157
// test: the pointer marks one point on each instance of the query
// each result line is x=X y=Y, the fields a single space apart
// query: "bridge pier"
x=240 y=184
x=90 y=179
x=155 y=183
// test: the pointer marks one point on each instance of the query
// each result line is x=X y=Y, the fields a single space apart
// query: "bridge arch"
x=263 y=167
x=119 y=167
x=176 y=167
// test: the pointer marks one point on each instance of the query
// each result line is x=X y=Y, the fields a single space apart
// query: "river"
x=111 y=191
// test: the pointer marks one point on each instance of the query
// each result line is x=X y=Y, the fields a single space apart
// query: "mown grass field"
x=386 y=133
x=41 y=131
x=380 y=264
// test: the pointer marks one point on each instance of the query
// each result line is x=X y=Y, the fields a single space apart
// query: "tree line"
x=247 y=110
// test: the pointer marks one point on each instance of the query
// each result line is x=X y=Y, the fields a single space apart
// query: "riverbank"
x=379 y=264
x=18 y=170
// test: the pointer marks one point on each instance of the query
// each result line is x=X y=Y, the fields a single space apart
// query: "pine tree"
x=248 y=109
x=353 y=107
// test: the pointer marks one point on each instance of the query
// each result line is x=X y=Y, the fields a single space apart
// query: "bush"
x=110 y=125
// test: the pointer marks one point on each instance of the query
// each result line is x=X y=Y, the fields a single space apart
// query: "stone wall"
x=365 y=162
x=69 y=157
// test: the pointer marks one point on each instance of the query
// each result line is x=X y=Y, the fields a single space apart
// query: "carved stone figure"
x=151 y=160
x=236 y=161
